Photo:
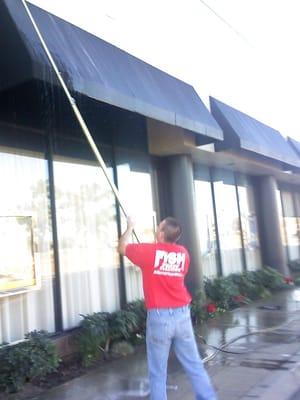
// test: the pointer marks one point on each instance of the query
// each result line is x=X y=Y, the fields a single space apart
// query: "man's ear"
x=161 y=236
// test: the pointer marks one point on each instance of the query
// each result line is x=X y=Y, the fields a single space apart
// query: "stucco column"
x=182 y=198
x=271 y=242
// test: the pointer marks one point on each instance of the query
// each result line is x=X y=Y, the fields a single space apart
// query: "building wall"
x=80 y=271
x=90 y=274
x=58 y=213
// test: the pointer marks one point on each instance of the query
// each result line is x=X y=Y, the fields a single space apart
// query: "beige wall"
x=165 y=139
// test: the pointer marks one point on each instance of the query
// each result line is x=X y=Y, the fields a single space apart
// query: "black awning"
x=101 y=71
x=242 y=131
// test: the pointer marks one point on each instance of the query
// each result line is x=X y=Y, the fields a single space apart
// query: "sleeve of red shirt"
x=139 y=254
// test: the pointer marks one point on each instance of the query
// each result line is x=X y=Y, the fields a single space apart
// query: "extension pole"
x=77 y=113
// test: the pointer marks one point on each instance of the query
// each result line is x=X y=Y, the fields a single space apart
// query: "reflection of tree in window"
x=249 y=222
x=25 y=193
x=87 y=238
x=290 y=224
x=136 y=192
x=17 y=261
x=228 y=221
x=42 y=213
x=206 y=222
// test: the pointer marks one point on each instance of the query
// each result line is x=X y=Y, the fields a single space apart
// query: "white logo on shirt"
x=171 y=264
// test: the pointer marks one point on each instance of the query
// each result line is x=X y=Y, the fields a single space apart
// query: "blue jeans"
x=167 y=327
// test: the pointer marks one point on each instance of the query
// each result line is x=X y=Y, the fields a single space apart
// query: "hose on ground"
x=257 y=332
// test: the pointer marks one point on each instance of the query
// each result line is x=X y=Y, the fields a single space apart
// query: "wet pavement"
x=296 y=396
x=267 y=366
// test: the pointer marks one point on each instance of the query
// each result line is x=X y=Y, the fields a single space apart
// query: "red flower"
x=288 y=280
x=239 y=299
x=211 y=308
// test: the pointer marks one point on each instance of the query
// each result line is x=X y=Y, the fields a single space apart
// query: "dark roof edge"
x=242 y=143
x=294 y=144
x=231 y=138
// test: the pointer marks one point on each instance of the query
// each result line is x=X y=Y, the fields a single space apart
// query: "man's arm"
x=125 y=238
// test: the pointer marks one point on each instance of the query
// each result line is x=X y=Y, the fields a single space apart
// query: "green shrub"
x=92 y=336
x=99 y=330
x=198 y=311
x=270 y=278
x=122 y=324
x=221 y=291
x=139 y=309
x=249 y=285
x=34 y=358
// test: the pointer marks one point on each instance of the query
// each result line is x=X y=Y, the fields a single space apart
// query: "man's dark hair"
x=171 y=229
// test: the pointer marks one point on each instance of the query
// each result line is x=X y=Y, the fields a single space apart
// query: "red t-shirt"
x=164 y=266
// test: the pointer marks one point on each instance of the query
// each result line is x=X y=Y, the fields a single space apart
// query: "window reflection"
x=87 y=236
x=297 y=210
x=17 y=268
x=281 y=220
x=134 y=180
x=206 y=223
x=249 y=223
x=290 y=225
x=24 y=195
x=228 y=221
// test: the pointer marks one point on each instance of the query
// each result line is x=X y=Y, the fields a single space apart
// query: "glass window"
x=281 y=219
x=297 y=204
x=87 y=236
x=17 y=268
x=206 y=222
x=291 y=226
x=228 y=221
x=249 y=222
x=134 y=180
x=26 y=253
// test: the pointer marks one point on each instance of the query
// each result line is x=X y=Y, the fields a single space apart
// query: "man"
x=164 y=265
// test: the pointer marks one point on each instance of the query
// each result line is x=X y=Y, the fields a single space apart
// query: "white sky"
x=254 y=67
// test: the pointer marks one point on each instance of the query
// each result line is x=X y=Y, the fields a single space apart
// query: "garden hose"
x=219 y=348
x=258 y=332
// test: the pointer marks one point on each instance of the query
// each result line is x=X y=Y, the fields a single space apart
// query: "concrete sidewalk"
x=268 y=369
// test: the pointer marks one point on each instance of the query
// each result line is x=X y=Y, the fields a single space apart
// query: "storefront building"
x=166 y=153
